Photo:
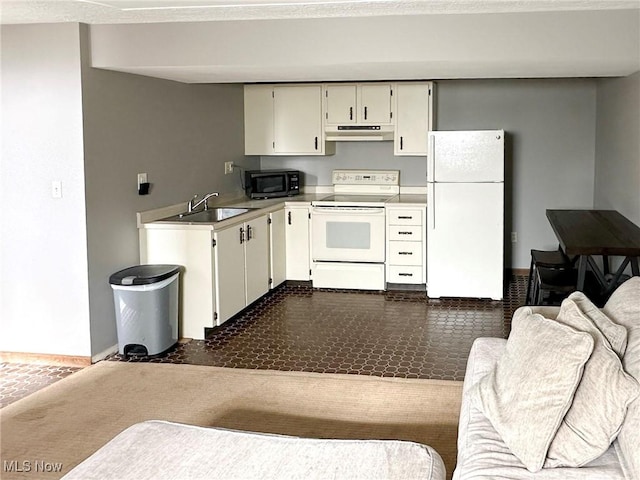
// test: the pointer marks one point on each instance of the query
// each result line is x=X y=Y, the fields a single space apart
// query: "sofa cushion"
x=624 y=308
x=482 y=455
x=156 y=450
x=601 y=400
x=527 y=395
x=615 y=333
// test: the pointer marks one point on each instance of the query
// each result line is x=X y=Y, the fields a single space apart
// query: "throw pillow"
x=616 y=334
x=600 y=402
x=528 y=393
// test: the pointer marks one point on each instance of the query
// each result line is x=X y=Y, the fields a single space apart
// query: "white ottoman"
x=158 y=450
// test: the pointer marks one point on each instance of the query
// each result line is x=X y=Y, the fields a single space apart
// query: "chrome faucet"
x=195 y=203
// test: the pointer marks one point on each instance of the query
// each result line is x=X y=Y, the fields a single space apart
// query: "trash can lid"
x=143 y=274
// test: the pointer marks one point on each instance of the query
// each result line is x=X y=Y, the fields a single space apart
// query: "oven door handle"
x=347 y=211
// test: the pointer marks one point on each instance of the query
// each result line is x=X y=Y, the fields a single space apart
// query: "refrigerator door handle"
x=431 y=210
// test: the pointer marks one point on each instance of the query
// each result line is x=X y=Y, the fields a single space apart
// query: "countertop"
x=149 y=218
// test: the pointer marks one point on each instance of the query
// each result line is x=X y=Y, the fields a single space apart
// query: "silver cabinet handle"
x=405 y=274
x=241 y=235
x=405 y=253
x=249 y=230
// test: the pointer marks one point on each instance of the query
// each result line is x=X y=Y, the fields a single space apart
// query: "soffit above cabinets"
x=209 y=41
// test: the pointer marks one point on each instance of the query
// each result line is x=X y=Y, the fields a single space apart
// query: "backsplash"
x=353 y=155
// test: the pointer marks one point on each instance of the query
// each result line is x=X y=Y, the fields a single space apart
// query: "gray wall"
x=93 y=130
x=550 y=147
x=550 y=156
x=179 y=134
x=617 y=170
x=44 y=302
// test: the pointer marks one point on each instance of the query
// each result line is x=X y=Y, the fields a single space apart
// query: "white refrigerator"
x=465 y=214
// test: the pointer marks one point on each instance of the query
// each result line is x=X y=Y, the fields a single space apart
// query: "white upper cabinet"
x=292 y=119
x=258 y=120
x=375 y=103
x=340 y=107
x=298 y=120
x=358 y=103
x=414 y=117
x=284 y=120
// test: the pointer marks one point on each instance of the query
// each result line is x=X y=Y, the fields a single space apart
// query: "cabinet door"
x=374 y=106
x=277 y=248
x=340 y=104
x=258 y=120
x=230 y=272
x=256 y=263
x=297 y=240
x=191 y=249
x=413 y=118
x=298 y=120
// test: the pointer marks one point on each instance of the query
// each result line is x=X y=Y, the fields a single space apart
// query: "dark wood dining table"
x=586 y=234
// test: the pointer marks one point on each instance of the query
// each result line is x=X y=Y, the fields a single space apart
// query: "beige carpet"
x=69 y=420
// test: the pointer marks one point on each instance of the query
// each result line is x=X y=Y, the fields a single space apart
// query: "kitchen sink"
x=208 y=216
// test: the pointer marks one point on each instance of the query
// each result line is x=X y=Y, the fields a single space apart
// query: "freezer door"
x=466 y=156
x=465 y=239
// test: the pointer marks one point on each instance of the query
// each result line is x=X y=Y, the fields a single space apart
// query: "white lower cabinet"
x=298 y=252
x=277 y=248
x=224 y=270
x=406 y=245
x=193 y=249
x=242 y=266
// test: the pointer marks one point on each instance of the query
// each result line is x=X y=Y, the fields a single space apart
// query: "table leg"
x=634 y=266
x=582 y=271
x=605 y=264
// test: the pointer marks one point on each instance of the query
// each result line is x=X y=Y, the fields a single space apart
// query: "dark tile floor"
x=395 y=333
x=17 y=380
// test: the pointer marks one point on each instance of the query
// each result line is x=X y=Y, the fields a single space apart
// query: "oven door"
x=348 y=234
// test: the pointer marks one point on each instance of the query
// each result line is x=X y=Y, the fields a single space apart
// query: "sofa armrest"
x=483 y=356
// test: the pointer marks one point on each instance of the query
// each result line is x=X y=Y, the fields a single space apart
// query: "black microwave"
x=272 y=183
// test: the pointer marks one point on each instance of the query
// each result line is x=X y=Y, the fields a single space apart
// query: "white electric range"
x=348 y=230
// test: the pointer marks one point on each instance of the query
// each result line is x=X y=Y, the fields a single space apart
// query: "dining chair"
x=551 y=272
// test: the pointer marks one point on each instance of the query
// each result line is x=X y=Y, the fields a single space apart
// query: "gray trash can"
x=146 y=301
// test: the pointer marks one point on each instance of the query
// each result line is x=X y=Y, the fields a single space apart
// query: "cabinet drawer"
x=404 y=274
x=405 y=253
x=405 y=217
x=405 y=233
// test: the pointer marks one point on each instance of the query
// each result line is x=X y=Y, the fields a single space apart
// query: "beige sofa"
x=483 y=453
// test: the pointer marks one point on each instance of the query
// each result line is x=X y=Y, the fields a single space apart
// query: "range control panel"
x=366 y=177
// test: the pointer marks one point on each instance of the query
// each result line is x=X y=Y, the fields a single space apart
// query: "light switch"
x=56 y=189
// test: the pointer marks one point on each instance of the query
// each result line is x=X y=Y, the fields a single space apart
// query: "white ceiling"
x=152 y=11
x=242 y=41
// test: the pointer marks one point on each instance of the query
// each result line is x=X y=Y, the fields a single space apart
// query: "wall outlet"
x=142 y=178
x=228 y=168
x=514 y=237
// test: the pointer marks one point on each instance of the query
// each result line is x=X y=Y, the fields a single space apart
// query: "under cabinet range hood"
x=358 y=133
